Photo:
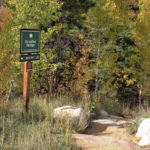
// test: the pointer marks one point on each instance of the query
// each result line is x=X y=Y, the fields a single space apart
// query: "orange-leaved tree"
x=5 y=19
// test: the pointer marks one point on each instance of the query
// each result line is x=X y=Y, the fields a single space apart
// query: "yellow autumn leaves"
x=124 y=78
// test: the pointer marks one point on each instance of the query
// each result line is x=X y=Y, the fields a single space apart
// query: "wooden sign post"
x=29 y=44
x=26 y=86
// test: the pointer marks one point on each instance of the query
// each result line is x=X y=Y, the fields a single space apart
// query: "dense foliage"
x=87 y=47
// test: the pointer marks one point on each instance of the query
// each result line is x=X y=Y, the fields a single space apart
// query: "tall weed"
x=36 y=129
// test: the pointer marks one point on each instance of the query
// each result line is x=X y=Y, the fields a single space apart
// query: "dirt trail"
x=107 y=135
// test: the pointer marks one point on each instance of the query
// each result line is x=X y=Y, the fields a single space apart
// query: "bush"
x=112 y=106
x=117 y=108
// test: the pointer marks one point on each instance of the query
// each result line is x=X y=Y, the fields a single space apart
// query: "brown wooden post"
x=26 y=87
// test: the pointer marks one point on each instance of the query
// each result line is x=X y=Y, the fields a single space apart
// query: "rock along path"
x=108 y=134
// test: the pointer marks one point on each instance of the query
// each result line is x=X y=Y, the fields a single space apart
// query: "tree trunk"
x=98 y=54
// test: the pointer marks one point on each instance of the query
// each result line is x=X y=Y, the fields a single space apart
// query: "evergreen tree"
x=67 y=42
x=119 y=57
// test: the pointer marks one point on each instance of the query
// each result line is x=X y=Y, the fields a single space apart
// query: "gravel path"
x=108 y=134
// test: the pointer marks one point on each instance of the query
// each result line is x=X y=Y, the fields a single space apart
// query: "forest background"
x=88 y=47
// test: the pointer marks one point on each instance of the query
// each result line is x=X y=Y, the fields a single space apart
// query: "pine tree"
x=66 y=44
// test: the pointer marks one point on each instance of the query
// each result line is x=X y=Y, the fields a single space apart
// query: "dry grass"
x=137 y=118
x=36 y=129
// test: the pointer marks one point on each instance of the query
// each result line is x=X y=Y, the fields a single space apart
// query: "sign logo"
x=30 y=35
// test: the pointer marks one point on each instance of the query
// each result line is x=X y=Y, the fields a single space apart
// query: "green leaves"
x=33 y=14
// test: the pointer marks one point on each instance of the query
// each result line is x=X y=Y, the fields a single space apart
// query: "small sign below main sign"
x=30 y=41
x=29 y=57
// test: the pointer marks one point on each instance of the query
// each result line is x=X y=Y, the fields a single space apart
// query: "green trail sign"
x=29 y=41
x=29 y=57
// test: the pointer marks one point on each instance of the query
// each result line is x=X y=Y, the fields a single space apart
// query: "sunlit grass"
x=35 y=130
x=137 y=119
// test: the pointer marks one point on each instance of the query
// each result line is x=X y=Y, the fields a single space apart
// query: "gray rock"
x=106 y=122
x=124 y=122
x=115 y=117
x=104 y=114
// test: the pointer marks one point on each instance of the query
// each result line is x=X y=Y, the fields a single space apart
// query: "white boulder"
x=144 y=132
x=145 y=141
x=77 y=115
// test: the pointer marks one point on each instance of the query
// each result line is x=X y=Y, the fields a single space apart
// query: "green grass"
x=35 y=130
